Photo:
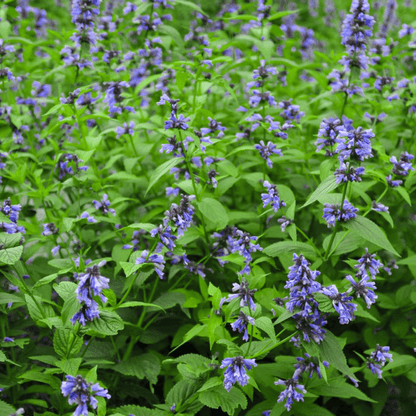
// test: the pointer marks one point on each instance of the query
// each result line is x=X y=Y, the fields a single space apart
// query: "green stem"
x=86 y=347
x=364 y=215
x=266 y=349
x=251 y=333
x=29 y=292
x=337 y=223
x=309 y=240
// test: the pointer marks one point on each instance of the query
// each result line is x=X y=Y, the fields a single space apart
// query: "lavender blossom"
x=236 y=371
x=267 y=151
x=347 y=173
x=244 y=293
x=80 y=391
x=341 y=303
x=378 y=359
x=333 y=212
x=156 y=259
x=272 y=197
x=103 y=205
x=368 y=260
x=290 y=393
x=240 y=324
x=363 y=288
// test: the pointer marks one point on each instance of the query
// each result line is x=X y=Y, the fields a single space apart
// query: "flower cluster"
x=80 y=392
x=337 y=212
x=378 y=359
x=12 y=212
x=90 y=284
x=236 y=371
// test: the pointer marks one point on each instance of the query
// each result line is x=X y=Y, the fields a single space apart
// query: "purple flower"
x=328 y=135
x=240 y=324
x=165 y=236
x=405 y=30
x=157 y=260
x=347 y=173
x=333 y=212
x=126 y=129
x=390 y=265
x=181 y=215
x=403 y=166
x=103 y=205
x=302 y=285
x=368 y=260
x=357 y=144
x=341 y=303
x=79 y=392
x=290 y=393
x=49 y=229
x=90 y=284
x=176 y=123
x=236 y=371
x=393 y=183
x=284 y=222
x=309 y=365
x=378 y=359
x=266 y=151
x=272 y=197
x=244 y=293
x=363 y=288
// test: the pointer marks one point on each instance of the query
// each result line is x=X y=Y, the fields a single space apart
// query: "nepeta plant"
x=207 y=207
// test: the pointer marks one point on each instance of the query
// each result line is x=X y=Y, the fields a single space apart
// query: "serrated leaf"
x=70 y=366
x=6 y=409
x=11 y=255
x=133 y=304
x=161 y=170
x=371 y=232
x=325 y=187
x=142 y=226
x=228 y=401
x=143 y=366
x=108 y=323
x=62 y=339
x=266 y=325
x=8 y=297
x=331 y=351
x=214 y=211
x=273 y=250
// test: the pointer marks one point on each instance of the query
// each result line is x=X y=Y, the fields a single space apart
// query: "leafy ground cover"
x=207 y=207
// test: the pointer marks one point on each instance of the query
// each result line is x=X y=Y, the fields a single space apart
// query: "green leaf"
x=228 y=401
x=133 y=304
x=410 y=261
x=136 y=411
x=50 y=278
x=162 y=169
x=8 y=297
x=340 y=388
x=278 y=15
x=350 y=243
x=108 y=323
x=70 y=366
x=35 y=313
x=266 y=325
x=9 y=254
x=173 y=33
x=209 y=384
x=190 y=5
x=273 y=250
x=370 y=231
x=62 y=339
x=167 y=300
x=325 y=187
x=143 y=366
x=214 y=211
x=331 y=351
x=6 y=409
x=65 y=290
x=181 y=391
x=325 y=303
x=143 y=226
x=129 y=268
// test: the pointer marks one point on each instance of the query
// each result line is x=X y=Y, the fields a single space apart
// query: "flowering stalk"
x=364 y=215
x=327 y=253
